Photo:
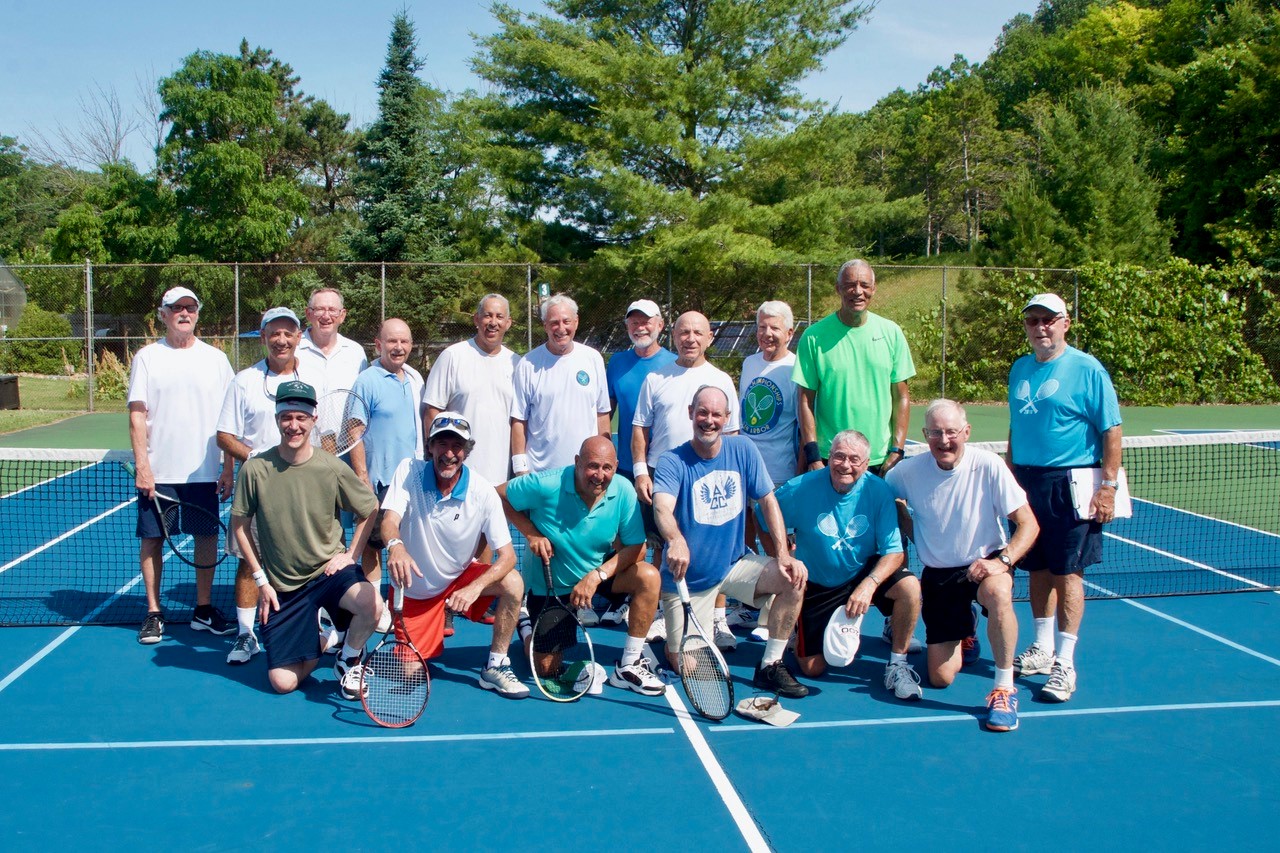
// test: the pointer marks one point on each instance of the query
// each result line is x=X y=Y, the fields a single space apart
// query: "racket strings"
x=705 y=681
x=397 y=684
x=561 y=654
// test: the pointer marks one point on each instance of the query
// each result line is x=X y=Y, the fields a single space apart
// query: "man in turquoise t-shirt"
x=571 y=518
x=852 y=370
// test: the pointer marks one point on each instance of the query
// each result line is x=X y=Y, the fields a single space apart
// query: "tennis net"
x=1206 y=519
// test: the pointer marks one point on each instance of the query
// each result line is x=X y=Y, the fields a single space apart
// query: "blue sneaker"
x=1002 y=710
x=970 y=648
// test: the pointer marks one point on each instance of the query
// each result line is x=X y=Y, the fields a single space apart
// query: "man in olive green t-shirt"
x=294 y=491
x=852 y=370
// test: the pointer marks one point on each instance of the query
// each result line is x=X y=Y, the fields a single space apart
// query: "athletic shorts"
x=821 y=601
x=203 y=495
x=424 y=617
x=739 y=583
x=1066 y=545
x=291 y=634
x=375 y=537
x=948 y=595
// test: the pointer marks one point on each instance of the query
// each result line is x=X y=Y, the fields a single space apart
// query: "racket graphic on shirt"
x=1044 y=392
x=342 y=417
x=857 y=526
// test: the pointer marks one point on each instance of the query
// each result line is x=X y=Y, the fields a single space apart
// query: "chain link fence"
x=86 y=321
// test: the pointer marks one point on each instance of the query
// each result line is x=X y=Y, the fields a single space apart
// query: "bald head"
x=594 y=467
x=691 y=337
x=395 y=343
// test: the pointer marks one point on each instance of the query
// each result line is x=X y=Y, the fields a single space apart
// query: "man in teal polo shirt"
x=572 y=517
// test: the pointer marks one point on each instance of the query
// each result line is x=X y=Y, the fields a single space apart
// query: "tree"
x=31 y=194
x=398 y=180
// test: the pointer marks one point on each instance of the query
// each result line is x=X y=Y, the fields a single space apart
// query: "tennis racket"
x=703 y=672
x=342 y=416
x=560 y=652
x=395 y=684
x=182 y=522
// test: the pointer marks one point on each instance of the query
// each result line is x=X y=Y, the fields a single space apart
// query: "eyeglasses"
x=333 y=311
x=1041 y=321
x=943 y=433
x=189 y=307
x=448 y=422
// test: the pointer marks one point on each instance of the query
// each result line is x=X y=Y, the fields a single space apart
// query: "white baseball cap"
x=647 y=307
x=1048 y=301
x=173 y=294
x=842 y=637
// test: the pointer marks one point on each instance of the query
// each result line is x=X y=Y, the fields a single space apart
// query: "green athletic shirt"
x=297 y=511
x=851 y=371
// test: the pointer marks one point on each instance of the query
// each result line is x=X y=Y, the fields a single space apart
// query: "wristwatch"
x=1004 y=558
x=603 y=576
x=393 y=543
x=1112 y=484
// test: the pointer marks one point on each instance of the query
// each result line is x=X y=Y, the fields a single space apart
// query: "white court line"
x=1205 y=566
x=1209 y=518
x=79 y=527
x=737 y=809
x=327 y=741
x=970 y=718
x=1175 y=620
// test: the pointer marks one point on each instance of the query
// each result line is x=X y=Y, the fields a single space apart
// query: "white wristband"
x=520 y=463
x=640 y=469
x=260 y=577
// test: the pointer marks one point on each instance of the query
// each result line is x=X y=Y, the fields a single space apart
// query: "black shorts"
x=947 y=594
x=1066 y=545
x=821 y=601
x=535 y=603
x=375 y=538
x=203 y=495
x=290 y=635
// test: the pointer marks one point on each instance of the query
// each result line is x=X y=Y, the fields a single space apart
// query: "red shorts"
x=424 y=617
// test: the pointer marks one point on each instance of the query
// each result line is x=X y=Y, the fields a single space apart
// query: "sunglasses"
x=1040 y=321
x=460 y=423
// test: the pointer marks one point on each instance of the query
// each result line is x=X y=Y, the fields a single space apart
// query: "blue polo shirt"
x=392 y=434
x=581 y=538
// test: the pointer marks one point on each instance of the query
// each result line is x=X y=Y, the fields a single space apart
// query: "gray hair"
x=777 y=308
x=506 y=306
x=850 y=436
x=856 y=262
x=941 y=405
x=319 y=290
x=728 y=403
x=559 y=299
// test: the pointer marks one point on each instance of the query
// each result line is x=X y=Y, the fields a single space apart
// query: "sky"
x=56 y=53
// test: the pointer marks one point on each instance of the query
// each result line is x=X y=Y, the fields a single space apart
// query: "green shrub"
x=46 y=356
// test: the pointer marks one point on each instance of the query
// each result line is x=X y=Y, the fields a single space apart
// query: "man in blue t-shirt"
x=1063 y=414
x=626 y=370
x=846 y=532
x=701 y=493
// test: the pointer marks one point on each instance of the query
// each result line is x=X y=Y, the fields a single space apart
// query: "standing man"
x=176 y=386
x=291 y=490
x=442 y=508
x=701 y=493
x=627 y=370
x=1063 y=414
x=474 y=377
x=846 y=533
x=955 y=497
x=584 y=522
x=247 y=425
x=329 y=360
x=561 y=395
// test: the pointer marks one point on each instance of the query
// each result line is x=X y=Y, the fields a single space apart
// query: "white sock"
x=1044 y=633
x=894 y=657
x=631 y=651
x=773 y=650
x=245 y=617
x=1066 y=648
x=497 y=659
x=349 y=651
x=721 y=614
x=1004 y=678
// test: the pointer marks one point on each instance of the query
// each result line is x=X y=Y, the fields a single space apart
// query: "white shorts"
x=739 y=583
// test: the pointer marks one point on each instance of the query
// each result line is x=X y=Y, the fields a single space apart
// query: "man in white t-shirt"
x=329 y=360
x=474 y=377
x=176 y=386
x=662 y=422
x=441 y=508
x=561 y=396
x=247 y=425
x=957 y=497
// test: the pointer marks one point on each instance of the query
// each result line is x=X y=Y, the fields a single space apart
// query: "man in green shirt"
x=300 y=564
x=852 y=370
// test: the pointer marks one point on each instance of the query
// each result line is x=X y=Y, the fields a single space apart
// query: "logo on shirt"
x=762 y=405
x=830 y=528
x=583 y=378
x=1044 y=392
x=717 y=498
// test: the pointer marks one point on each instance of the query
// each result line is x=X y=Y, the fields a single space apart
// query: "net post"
x=88 y=327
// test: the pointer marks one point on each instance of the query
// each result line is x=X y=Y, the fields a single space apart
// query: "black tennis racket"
x=395 y=684
x=182 y=522
x=560 y=652
x=342 y=417
x=703 y=672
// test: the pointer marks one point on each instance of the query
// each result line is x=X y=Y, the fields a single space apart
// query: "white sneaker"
x=348 y=674
x=616 y=615
x=761 y=634
x=724 y=639
x=1061 y=683
x=588 y=617
x=330 y=637
x=638 y=677
x=913 y=647
x=244 y=648
x=1035 y=660
x=903 y=681
x=503 y=681
x=658 y=630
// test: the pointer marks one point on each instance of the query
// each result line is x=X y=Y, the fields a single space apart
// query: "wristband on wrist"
x=520 y=463
x=898 y=450
x=640 y=469
x=1110 y=484
x=260 y=577
x=811 y=453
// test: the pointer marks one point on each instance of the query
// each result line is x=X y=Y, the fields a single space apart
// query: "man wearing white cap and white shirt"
x=561 y=395
x=176 y=386
x=247 y=425
x=1063 y=414
x=441 y=508
x=958 y=498
x=330 y=361
x=474 y=377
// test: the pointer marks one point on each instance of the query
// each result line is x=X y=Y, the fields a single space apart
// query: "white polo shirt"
x=330 y=372
x=558 y=398
x=441 y=533
x=249 y=409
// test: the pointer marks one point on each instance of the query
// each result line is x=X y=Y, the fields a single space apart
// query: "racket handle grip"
x=683 y=589
x=399 y=598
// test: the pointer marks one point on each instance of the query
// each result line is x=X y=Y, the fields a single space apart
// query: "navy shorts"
x=535 y=603
x=203 y=495
x=291 y=634
x=947 y=594
x=821 y=601
x=1066 y=545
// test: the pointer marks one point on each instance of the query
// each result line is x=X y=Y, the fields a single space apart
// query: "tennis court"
x=109 y=745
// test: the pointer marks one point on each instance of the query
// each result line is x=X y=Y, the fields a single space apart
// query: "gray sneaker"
x=724 y=639
x=1061 y=683
x=1036 y=660
x=902 y=679
x=243 y=650
x=503 y=681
